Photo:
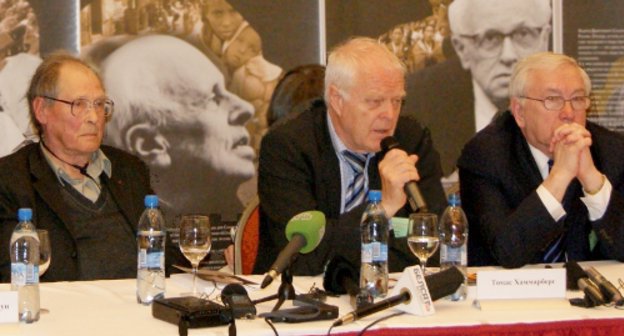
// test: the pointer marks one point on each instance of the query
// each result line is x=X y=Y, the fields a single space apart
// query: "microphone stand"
x=286 y=290
x=310 y=309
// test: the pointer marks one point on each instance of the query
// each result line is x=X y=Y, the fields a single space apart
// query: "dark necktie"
x=356 y=189
x=554 y=252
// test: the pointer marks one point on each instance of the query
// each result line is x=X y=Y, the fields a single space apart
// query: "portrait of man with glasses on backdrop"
x=460 y=96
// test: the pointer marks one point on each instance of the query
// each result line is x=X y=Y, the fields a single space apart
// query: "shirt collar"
x=339 y=146
x=335 y=139
x=541 y=160
x=99 y=163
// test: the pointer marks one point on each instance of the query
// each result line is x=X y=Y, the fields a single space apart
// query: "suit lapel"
x=116 y=186
x=528 y=171
x=330 y=178
x=46 y=184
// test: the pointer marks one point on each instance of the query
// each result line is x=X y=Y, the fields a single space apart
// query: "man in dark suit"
x=303 y=164
x=459 y=97
x=542 y=184
x=88 y=197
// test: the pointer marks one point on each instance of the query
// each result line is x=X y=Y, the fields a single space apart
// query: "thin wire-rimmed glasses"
x=80 y=106
x=556 y=103
x=490 y=43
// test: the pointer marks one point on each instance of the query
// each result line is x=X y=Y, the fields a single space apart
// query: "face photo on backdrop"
x=174 y=111
x=491 y=36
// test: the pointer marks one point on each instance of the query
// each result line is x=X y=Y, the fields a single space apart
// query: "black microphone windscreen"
x=444 y=283
x=389 y=143
x=337 y=270
x=574 y=272
x=233 y=288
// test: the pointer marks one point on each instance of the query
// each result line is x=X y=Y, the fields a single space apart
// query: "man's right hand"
x=396 y=169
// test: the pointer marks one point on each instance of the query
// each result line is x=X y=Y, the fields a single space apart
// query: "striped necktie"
x=554 y=252
x=356 y=190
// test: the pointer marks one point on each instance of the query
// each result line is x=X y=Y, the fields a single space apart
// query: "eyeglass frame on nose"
x=496 y=49
x=562 y=101
x=90 y=105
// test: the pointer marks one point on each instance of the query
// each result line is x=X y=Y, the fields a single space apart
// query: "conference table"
x=109 y=307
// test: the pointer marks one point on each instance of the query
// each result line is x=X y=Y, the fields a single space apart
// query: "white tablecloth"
x=109 y=308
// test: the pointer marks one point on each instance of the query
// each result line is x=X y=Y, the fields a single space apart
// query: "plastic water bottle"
x=25 y=266
x=374 y=229
x=454 y=242
x=151 y=235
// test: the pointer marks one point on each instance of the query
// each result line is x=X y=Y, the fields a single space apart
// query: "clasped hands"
x=569 y=146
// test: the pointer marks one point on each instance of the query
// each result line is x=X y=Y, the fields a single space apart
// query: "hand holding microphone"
x=411 y=189
x=305 y=232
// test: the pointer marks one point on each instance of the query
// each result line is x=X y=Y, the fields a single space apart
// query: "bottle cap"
x=454 y=200
x=151 y=201
x=374 y=196
x=24 y=214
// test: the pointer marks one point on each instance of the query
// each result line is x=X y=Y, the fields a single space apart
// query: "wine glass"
x=195 y=241
x=45 y=253
x=422 y=236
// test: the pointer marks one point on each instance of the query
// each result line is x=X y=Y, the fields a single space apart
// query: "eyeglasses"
x=556 y=103
x=80 y=106
x=490 y=43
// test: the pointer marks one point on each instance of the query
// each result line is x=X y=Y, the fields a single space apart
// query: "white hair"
x=357 y=54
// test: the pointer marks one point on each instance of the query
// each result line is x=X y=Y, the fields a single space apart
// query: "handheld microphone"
x=304 y=232
x=610 y=292
x=578 y=279
x=439 y=284
x=414 y=196
x=341 y=277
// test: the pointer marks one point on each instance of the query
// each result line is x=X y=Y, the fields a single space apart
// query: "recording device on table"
x=415 y=197
x=598 y=290
x=439 y=285
x=308 y=308
x=190 y=312
x=193 y=312
x=304 y=231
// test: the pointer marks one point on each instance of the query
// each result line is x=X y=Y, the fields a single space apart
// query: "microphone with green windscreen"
x=304 y=231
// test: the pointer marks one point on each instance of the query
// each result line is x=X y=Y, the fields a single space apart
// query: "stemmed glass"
x=422 y=236
x=45 y=253
x=195 y=241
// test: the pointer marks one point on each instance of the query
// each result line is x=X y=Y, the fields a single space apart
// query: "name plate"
x=9 y=312
x=521 y=284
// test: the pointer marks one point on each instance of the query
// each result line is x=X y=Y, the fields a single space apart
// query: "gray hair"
x=45 y=80
x=352 y=56
x=541 y=61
